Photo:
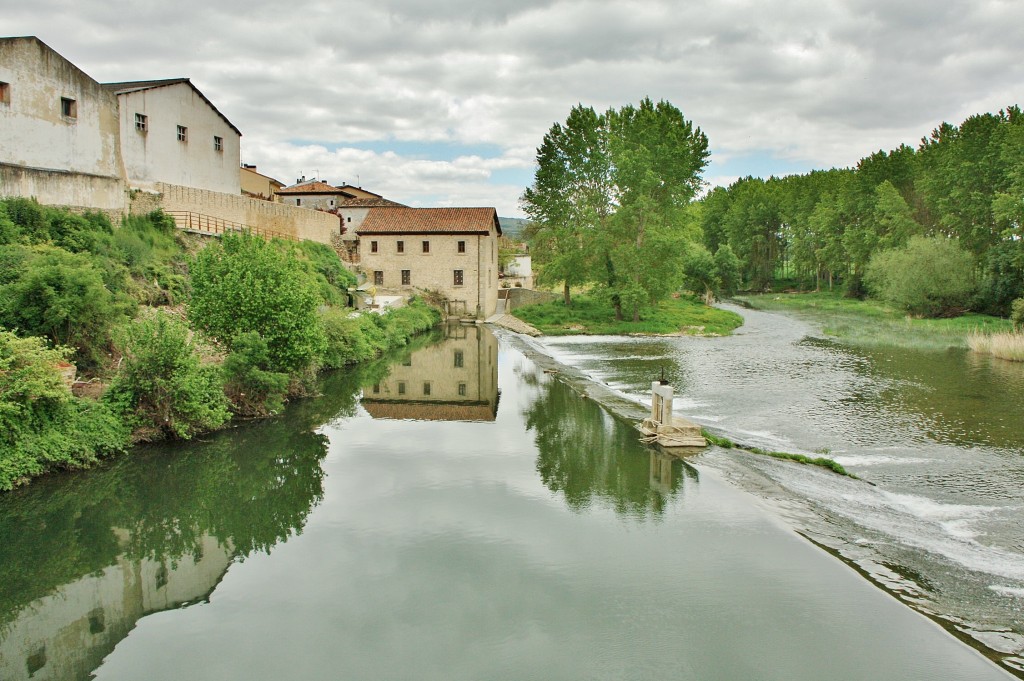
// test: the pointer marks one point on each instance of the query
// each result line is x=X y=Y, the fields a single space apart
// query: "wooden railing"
x=207 y=224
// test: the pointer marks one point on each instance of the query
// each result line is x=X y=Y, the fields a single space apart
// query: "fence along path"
x=206 y=224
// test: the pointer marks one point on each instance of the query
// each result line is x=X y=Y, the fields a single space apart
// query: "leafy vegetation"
x=590 y=315
x=929 y=277
x=961 y=186
x=820 y=461
x=265 y=316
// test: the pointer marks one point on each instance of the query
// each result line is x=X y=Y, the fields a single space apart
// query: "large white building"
x=171 y=133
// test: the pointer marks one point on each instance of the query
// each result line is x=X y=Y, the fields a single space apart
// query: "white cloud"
x=820 y=83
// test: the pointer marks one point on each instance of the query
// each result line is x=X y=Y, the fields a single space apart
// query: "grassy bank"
x=820 y=461
x=588 y=316
x=871 y=322
x=1007 y=345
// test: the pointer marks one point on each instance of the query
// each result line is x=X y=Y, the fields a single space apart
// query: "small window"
x=459 y=359
x=182 y=133
x=401 y=387
x=373 y=247
x=298 y=202
x=406 y=277
x=426 y=247
x=458 y=277
x=218 y=143
x=426 y=389
x=462 y=247
x=401 y=247
x=378 y=278
x=331 y=202
x=462 y=389
x=5 y=93
x=376 y=388
x=348 y=219
x=68 y=108
x=141 y=122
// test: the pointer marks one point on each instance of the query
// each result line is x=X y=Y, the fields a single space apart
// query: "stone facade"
x=450 y=251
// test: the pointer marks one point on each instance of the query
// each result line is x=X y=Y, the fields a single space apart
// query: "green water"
x=458 y=514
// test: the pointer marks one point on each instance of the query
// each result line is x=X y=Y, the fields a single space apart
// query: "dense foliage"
x=963 y=184
x=610 y=203
x=77 y=293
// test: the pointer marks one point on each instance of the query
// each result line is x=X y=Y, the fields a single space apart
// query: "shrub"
x=929 y=277
x=42 y=426
x=162 y=388
x=250 y=387
x=1017 y=314
x=246 y=284
x=729 y=270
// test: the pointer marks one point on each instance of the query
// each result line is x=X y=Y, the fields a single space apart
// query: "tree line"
x=937 y=229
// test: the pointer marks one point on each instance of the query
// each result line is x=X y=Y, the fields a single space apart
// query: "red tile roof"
x=314 y=187
x=392 y=220
x=369 y=203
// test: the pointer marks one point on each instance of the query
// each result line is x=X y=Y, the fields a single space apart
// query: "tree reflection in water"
x=588 y=456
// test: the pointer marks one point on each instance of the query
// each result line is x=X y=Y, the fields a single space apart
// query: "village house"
x=450 y=251
x=59 y=132
x=171 y=133
x=257 y=185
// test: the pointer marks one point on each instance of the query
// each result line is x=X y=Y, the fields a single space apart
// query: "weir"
x=666 y=429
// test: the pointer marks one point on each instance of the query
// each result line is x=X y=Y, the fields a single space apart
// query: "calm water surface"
x=458 y=514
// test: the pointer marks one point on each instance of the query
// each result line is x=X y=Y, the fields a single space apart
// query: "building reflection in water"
x=66 y=634
x=453 y=380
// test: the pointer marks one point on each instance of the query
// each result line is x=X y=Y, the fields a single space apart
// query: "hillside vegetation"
x=168 y=338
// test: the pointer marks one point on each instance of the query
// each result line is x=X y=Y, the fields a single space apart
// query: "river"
x=459 y=513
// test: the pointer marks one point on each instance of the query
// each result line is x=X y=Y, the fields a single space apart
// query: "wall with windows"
x=171 y=134
x=466 y=275
x=58 y=130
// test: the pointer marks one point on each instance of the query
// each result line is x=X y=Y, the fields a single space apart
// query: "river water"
x=459 y=513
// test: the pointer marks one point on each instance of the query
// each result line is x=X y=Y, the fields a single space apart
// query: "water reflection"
x=586 y=456
x=84 y=556
x=452 y=380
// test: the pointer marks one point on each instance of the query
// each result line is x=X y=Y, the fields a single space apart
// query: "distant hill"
x=513 y=227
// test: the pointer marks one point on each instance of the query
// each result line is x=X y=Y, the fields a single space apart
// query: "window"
x=378 y=278
x=376 y=388
x=182 y=133
x=5 y=93
x=406 y=277
x=141 y=122
x=426 y=247
x=462 y=247
x=218 y=143
x=401 y=247
x=458 y=277
x=68 y=108
x=459 y=359
x=462 y=389
x=426 y=389
x=298 y=202
x=373 y=247
x=401 y=387
x=348 y=219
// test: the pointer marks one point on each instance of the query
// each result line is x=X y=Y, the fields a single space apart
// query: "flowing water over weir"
x=461 y=513
x=939 y=434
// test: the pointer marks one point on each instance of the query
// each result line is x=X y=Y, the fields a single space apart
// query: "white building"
x=171 y=133
x=58 y=130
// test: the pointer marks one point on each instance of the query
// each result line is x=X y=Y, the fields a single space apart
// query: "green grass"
x=589 y=316
x=871 y=322
x=820 y=461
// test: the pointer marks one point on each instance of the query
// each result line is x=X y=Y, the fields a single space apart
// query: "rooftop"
x=395 y=220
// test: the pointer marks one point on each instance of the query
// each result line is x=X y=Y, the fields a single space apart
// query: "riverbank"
x=870 y=322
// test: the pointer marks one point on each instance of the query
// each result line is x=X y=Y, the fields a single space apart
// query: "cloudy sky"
x=444 y=102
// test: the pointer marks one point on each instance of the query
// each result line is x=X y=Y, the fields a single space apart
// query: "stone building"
x=450 y=251
x=171 y=133
x=257 y=185
x=58 y=130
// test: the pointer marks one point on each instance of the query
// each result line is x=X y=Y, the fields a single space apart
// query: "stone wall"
x=78 y=191
x=300 y=223
x=518 y=297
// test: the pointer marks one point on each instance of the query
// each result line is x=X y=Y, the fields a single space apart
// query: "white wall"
x=157 y=156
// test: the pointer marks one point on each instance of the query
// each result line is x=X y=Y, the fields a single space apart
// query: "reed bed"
x=1009 y=345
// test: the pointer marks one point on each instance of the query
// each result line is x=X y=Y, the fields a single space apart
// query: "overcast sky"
x=444 y=102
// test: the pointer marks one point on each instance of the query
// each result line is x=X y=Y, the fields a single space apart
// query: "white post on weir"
x=661 y=402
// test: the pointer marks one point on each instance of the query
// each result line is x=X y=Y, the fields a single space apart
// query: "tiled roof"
x=393 y=220
x=130 y=86
x=314 y=187
x=429 y=411
x=370 y=203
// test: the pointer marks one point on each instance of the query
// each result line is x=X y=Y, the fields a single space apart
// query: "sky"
x=444 y=102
